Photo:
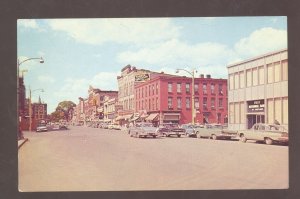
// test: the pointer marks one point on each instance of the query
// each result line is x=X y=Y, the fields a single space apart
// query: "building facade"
x=258 y=91
x=39 y=112
x=169 y=99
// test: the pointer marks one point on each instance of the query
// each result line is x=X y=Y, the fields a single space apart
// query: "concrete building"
x=169 y=98
x=258 y=91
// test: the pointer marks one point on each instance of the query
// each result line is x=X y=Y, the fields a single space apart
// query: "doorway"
x=253 y=119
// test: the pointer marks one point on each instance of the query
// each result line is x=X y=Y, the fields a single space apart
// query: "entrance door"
x=253 y=119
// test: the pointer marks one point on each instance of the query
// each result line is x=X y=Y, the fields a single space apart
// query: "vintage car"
x=143 y=130
x=191 y=130
x=216 y=131
x=41 y=128
x=268 y=133
x=168 y=129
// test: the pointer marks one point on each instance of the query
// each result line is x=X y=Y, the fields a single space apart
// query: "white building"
x=258 y=91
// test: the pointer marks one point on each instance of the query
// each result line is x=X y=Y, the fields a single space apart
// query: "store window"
x=231 y=113
x=277 y=72
x=242 y=115
x=236 y=81
x=261 y=75
x=278 y=110
x=237 y=113
x=270 y=113
x=170 y=87
x=249 y=78
x=255 y=76
x=187 y=103
x=285 y=107
x=270 y=73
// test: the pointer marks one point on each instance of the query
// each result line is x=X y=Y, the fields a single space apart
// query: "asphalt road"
x=88 y=159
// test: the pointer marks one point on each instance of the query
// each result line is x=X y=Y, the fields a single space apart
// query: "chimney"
x=208 y=76
x=201 y=75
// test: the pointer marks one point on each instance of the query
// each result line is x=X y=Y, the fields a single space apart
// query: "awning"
x=144 y=116
x=171 y=116
x=152 y=116
x=119 y=118
x=127 y=117
x=134 y=118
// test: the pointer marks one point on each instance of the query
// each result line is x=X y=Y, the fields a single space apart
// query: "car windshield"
x=146 y=125
x=170 y=125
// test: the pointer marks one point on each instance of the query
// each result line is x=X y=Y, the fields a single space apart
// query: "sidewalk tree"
x=62 y=111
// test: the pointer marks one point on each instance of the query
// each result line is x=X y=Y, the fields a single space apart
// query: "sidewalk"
x=21 y=142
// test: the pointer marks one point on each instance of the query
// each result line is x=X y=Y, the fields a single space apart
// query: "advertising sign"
x=142 y=77
x=256 y=106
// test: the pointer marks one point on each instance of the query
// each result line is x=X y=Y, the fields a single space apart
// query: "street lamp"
x=192 y=73
x=41 y=60
x=30 y=108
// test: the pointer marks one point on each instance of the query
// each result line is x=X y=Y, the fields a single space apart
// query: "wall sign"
x=142 y=77
x=256 y=106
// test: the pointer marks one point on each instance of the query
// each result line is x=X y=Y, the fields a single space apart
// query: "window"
x=285 y=115
x=149 y=104
x=170 y=99
x=277 y=109
x=146 y=91
x=156 y=88
x=270 y=73
x=237 y=113
x=220 y=102
x=212 y=102
x=284 y=70
x=220 y=89
x=277 y=72
x=236 y=81
x=179 y=102
x=242 y=109
x=212 y=89
x=178 y=87
x=205 y=103
x=142 y=92
x=187 y=88
x=157 y=103
x=204 y=89
x=153 y=89
x=187 y=103
x=261 y=75
x=231 y=113
x=196 y=88
x=196 y=102
x=242 y=80
x=255 y=76
x=231 y=82
x=249 y=78
x=149 y=90
x=270 y=113
x=170 y=87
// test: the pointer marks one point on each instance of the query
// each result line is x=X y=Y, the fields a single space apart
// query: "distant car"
x=42 y=128
x=143 y=130
x=110 y=126
x=216 y=131
x=63 y=127
x=191 y=130
x=168 y=129
x=116 y=127
x=268 y=133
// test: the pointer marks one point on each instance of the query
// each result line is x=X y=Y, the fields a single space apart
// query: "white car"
x=143 y=130
x=41 y=129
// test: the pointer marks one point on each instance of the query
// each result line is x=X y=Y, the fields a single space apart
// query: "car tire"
x=214 y=137
x=268 y=141
x=154 y=136
x=178 y=136
x=243 y=139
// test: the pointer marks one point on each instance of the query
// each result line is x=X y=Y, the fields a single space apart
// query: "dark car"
x=168 y=129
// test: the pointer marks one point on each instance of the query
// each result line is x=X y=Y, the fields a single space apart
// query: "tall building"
x=39 y=111
x=169 y=99
x=258 y=91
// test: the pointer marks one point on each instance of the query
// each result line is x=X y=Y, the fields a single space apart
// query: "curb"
x=22 y=142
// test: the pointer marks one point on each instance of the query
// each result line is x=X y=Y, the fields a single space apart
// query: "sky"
x=78 y=53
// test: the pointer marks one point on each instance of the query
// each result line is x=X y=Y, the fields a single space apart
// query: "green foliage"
x=62 y=111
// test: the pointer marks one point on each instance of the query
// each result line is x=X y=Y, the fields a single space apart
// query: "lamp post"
x=30 y=108
x=192 y=73
x=41 y=60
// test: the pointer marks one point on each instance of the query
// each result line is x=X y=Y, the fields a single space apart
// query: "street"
x=93 y=159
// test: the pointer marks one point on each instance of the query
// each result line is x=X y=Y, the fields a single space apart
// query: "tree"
x=62 y=111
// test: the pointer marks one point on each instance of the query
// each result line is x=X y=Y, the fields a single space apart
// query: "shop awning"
x=127 y=117
x=134 y=118
x=119 y=118
x=152 y=116
x=171 y=116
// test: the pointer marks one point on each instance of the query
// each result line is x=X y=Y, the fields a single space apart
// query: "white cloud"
x=28 y=23
x=46 y=79
x=262 y=41
x=139 y=31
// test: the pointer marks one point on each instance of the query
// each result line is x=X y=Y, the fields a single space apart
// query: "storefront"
x=255 y=112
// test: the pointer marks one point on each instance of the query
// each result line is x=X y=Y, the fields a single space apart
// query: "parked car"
x=110 y=126
x=191 y=130
x=216 y=131
x=63 y=127
x=168 y=129
x=268 y=133
x=143 y=130
x=42 y=128
x=116 y=127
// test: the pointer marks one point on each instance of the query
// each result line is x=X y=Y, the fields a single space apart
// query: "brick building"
x=168 y=98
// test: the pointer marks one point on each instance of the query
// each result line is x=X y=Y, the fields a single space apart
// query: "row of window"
x=196 y=87
x=276 y=72
x=126 y=89
x=197 y=103
x=147 y=90
x=277 y=109
x=151 y=104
